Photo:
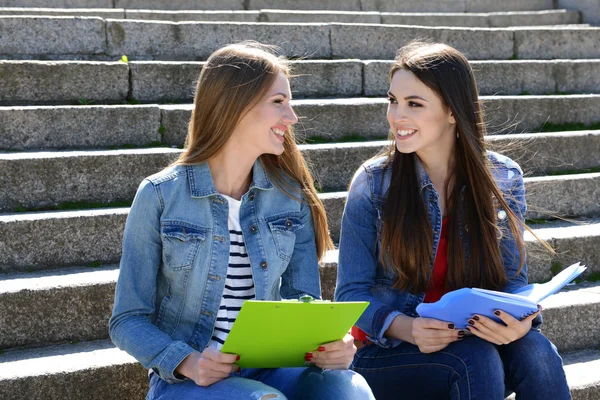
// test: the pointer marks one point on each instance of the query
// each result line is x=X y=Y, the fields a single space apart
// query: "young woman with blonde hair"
x=437 y=213
x=235 y=218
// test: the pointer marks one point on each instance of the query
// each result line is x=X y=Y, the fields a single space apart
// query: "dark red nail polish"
x=321 y=348
x=450 y=326
x=497 y=312
x=308 y=357
x=461 y=334
x=476 y=318
x=471 y=322
x=237 y=358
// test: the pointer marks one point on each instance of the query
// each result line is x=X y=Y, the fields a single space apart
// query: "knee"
x=334 y=384
x=534 y=352
x=479 y=360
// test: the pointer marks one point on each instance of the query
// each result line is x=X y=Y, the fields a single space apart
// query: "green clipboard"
x=275 y=334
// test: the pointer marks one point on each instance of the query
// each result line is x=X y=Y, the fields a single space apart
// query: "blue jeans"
x=274 y=384
x=468 y=369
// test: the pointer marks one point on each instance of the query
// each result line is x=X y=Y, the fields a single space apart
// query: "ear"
x=451 y=119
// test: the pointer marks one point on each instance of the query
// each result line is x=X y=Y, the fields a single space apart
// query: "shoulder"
x=503 y=162
x=504 y=170
x=168 y=174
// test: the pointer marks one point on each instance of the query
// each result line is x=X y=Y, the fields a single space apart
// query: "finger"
x=532 y=316
x=483 y=336
x=506 y=318
x=216 y=367
x=436 y=334
x=339 y=365
x=430 y=323
x=333 y=356
x=490 y=335
x=213 y=354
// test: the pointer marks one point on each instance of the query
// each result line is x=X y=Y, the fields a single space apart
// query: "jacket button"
x=264 y=264
x=251 y=196
x=253 y=229
x=288 y=223
x=501 y=214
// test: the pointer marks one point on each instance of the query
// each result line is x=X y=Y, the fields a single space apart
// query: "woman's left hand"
x=334 y=355
x=497 y=333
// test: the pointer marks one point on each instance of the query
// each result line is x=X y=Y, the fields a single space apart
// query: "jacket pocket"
x=284 y=230
x=181 y=242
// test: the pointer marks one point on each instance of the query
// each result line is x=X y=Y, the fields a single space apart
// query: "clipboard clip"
x=306 y=298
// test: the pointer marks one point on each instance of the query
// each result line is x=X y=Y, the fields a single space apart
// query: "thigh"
x=534 y=368
x=467 y=369
x=234 y=387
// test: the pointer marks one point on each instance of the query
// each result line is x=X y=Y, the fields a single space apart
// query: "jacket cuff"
x=176 y=353
x=381 y=322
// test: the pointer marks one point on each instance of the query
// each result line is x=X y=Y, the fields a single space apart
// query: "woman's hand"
x=334 y=355
x=208 y=367
x=432 y=335
x=497 y=333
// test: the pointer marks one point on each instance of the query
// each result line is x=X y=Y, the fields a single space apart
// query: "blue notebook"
x=460 y=305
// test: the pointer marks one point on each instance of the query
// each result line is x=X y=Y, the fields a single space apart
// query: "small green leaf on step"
x=124 y=59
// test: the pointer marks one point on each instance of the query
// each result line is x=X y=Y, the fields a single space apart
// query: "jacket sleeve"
x=302 y=273
x=357 y=262
x=131 y=327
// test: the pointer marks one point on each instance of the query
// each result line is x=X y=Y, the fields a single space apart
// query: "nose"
x=398 y=114
x=289 y=116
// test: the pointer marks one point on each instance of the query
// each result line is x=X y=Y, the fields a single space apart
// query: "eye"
x=413 y=104
x=278 y=101
x=392 y=100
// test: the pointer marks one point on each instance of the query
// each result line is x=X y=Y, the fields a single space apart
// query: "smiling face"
x=419 y=119
x=263 y=128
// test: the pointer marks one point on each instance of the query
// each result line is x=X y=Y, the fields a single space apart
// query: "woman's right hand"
x=208 y=367
x=433 y=335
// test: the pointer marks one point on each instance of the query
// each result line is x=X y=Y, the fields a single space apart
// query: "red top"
x=437 y=283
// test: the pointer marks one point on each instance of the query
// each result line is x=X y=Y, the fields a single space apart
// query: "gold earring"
x=457 y=135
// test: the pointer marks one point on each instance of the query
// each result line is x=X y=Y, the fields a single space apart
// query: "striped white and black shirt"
x=239 y=285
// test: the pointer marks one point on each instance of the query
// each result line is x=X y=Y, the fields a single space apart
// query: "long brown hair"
x=233 y=80
x=471 y=192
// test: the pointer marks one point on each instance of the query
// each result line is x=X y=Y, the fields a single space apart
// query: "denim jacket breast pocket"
x=181 y=242
x=283 y=228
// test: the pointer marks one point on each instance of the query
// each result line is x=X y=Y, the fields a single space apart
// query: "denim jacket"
x=361 y=276
x=175 y=259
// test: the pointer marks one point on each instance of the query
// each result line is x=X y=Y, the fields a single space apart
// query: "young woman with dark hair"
x=237 y=217
x=437 y=213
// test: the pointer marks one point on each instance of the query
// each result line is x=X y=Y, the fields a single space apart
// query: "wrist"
x=187 y=366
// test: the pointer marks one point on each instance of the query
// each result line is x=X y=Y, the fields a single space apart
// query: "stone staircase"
x=79 y=129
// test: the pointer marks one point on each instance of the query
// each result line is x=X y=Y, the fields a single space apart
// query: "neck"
x=438 y=163
x=231 y=172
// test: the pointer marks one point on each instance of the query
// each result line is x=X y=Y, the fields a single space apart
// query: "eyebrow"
x=409 y=97
x=279 y=94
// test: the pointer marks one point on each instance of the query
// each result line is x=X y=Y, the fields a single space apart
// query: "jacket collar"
x=202 y=185
x=422 y=176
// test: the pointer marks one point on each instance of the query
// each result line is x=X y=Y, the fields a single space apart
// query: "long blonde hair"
x=232 y=81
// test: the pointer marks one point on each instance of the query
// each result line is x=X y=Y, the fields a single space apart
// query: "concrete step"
x=97 y=371
x=340 y=5
x=48 y=179
x=111 y=38
x=91 y=237
x=332 y=119
x=73 y=82
x=482 y=20
x=94 y=370
x=60 y=306
x=42 y=127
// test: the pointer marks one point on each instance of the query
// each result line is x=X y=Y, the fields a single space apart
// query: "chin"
x=405 y=149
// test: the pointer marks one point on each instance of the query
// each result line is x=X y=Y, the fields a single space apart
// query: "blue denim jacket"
x=175 y=258
x=361 y=276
